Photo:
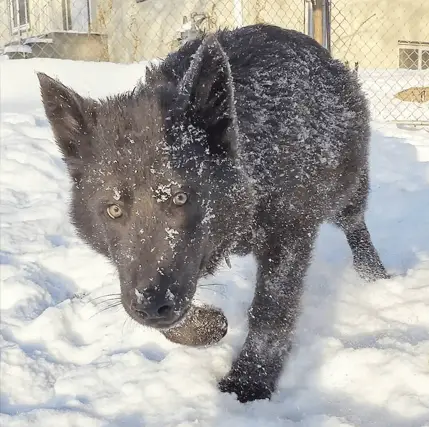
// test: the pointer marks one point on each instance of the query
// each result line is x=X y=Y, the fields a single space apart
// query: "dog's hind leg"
x=351 y=220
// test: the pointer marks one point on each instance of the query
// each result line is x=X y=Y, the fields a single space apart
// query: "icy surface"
x=362 y=350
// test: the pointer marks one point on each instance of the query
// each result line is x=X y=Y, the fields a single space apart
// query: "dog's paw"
x=372 y=276
x=244 y=387
x=372 y=273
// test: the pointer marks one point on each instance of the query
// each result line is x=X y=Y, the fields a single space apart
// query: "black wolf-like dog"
x=244 y=140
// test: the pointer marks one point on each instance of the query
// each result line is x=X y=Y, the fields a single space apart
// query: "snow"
x=31 y=40
x=381 y=86
x=17 y=48
x=361 y=354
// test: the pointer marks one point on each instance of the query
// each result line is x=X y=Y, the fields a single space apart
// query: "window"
x=409 y=58
x=425 y=59
x=413 y=55
x=19 y=12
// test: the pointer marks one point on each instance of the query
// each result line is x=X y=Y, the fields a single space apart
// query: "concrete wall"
x=75 y=46
x=364 y=31
x=145 y=30
x=150 y=28
x=284 y=13
x=138 y=31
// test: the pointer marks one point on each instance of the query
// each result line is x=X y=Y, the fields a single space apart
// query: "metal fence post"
x=318 y=20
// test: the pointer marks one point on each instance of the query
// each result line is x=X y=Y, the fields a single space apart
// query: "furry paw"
x=245 y=387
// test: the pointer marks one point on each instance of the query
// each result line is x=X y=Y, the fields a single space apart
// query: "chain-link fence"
x=388 y=43
x=385 y=42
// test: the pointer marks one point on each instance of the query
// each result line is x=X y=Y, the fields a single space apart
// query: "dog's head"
x=157 y=185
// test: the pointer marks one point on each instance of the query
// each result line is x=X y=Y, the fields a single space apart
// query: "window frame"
x=420 y=47
x=14 y=15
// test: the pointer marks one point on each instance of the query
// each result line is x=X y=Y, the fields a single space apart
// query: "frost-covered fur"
x=265 y=134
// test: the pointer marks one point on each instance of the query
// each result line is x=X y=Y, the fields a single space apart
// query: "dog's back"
x=303 y=120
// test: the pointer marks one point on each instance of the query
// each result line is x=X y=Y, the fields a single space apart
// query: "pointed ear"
x=71 y=117
x=208 y=96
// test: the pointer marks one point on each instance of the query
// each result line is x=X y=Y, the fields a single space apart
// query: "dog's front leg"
x=272 y=316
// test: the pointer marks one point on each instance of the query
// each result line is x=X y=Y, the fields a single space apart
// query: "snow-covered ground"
x=381 y=86
x=362 y=350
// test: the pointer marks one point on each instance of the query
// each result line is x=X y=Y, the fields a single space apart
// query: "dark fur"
x=268 y=136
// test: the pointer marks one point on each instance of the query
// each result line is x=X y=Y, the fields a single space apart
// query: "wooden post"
x=318 y=20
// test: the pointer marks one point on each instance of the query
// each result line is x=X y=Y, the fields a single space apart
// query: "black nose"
x=163 y=311
x=152 y=306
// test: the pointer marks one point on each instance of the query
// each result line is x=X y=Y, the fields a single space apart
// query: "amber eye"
x=114 y=211
x=179 y=199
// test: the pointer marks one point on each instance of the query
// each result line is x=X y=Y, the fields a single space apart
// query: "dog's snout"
x=153 y=306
